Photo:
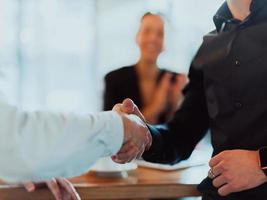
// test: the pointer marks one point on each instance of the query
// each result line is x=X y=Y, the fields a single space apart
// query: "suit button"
x=238 y=105
x=237 y=63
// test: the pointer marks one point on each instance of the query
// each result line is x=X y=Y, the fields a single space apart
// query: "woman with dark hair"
x=156 y=91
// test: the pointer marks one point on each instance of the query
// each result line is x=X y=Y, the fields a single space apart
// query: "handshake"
x=137 y=137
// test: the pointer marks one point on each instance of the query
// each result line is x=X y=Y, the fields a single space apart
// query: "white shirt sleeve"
x=40 y=145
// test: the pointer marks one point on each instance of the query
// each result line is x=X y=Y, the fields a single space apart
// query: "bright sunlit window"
x=55 y=53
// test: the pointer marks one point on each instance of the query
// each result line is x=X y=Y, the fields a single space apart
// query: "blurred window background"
x=55 y=53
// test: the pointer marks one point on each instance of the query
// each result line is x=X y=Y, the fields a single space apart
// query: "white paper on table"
x=197 y=158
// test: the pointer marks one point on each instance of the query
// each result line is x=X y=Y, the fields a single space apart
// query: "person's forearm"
x=42 y=145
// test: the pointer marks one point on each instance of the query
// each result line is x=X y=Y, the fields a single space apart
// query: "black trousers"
x=208 y=197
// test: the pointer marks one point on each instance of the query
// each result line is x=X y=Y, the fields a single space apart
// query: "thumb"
x=128 y=106
x=133 y=108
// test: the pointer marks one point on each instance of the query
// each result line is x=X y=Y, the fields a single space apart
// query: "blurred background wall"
x=55 y=53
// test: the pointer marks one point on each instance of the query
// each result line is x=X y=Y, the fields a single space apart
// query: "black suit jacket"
x=123 y=83
x=227 y=94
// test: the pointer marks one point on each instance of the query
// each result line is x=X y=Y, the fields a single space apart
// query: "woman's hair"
x=152 y=14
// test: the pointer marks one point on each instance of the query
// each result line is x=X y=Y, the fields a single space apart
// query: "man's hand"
x=61 y=188
x=235 y=171
x=137 y=137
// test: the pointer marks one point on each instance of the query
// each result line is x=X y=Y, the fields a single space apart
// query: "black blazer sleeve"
x=111 y=94
x=176 y=140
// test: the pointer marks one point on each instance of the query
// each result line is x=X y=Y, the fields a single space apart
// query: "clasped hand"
x=137 y=137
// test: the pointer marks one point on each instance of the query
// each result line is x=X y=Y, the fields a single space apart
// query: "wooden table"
x=142 y=183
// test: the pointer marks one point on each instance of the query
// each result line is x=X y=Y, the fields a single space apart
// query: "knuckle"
x=210 y=162
x=228 y=177
x=222 y=166
x=215 y=183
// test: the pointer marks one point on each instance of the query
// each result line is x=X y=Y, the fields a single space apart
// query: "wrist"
x=261 y=177
x=126 y=124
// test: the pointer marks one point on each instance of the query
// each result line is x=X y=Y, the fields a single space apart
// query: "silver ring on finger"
x=211 y=174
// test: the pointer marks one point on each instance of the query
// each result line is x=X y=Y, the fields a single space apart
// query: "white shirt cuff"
x=114 y=133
